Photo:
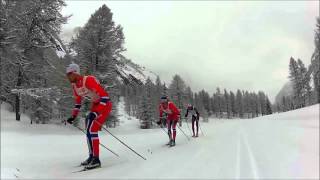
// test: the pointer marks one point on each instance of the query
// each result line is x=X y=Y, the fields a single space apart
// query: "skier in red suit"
x=101 y=106
x=173 y=115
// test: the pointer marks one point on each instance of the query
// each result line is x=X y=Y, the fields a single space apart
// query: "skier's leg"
x=91 y=135
x=96 y=126
x=174 y=132
x=197 y=124
x=96 y=119
x=169 y=124
x=88 y=137
x=193 y=119
x=174 y=124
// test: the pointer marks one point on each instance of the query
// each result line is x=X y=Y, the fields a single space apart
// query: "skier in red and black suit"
x=173 y=116
x=101 y=106
x=195 y=118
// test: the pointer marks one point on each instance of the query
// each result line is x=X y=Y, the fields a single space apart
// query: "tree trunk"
x=17 y=106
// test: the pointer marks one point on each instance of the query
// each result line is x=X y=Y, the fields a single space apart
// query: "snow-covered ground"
x=284 y=145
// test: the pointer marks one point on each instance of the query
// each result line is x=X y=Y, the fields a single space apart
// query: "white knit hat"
x=73 y=68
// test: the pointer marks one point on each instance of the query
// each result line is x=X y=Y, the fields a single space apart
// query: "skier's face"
x=164 y=104
x=72 y=77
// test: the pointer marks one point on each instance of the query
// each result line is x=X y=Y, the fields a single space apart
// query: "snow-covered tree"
x=296 y=77
x=228 y=103
x=177 y=89
x=268 y=106
x=29 y=31
x=189 y=96
x=305 y=83
x=98 y=46
x=233 y=104
x=239 y=104
x=147 y=107
x=315 y=62
x=300 y=78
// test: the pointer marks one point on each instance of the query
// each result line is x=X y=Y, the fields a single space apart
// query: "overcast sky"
x=233 y=45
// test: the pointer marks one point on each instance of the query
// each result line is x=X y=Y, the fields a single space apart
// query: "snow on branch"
x=35 y=92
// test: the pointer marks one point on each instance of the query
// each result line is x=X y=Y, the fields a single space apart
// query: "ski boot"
x=172 y=143
x=87 y=161
x=95 y=163
x=168 y=144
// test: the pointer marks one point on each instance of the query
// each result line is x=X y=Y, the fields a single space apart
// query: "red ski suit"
x=101 y=107
x=173 y=116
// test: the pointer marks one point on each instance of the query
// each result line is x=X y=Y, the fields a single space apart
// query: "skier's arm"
x=77 y=104
x=186 y=115
x=160 y=111
x=93 y=85
x=174 y=109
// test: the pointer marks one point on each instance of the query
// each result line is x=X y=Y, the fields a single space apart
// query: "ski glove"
x=92 y=115
x=70 y=120
x=159 y=122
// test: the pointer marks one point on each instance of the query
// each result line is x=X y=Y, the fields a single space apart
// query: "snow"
x=284 y=145
x=60 y=54
x=141 y=73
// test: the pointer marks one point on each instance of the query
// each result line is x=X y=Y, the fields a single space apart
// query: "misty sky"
x=233 y=45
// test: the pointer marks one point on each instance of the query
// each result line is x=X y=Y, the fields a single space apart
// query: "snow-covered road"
x=284 y=145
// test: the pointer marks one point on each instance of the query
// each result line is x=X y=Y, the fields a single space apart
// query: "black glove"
x=158 y=122
x=70 y=120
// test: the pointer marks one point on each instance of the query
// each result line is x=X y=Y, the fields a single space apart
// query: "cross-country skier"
x=195 y=118
x=89 y=87
x=173 y=116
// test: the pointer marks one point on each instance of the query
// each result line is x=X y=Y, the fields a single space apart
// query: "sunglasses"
x=69 y=73
x=163 y=100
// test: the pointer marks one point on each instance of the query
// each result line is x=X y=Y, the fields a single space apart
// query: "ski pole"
x=200 y=128
x=163 y=128
x=80 y=129
x=164 y=131
x=184 y=133
x=120 y=141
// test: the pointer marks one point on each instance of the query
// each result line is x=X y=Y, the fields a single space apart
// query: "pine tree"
x=305 y=83
x=189 y=96
x=233 y=104
x=177 y=90
x=158 y=92
x=147 y=108
x=239 y=104
x=246 y=103
x=268 y=106
x=256 y=105
x=98 y=46
x=199 y=104
x=205 y=99
x=262 y=103
x=315 y=62
x=28 y=32
x=296 y=78
x=227 y=103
